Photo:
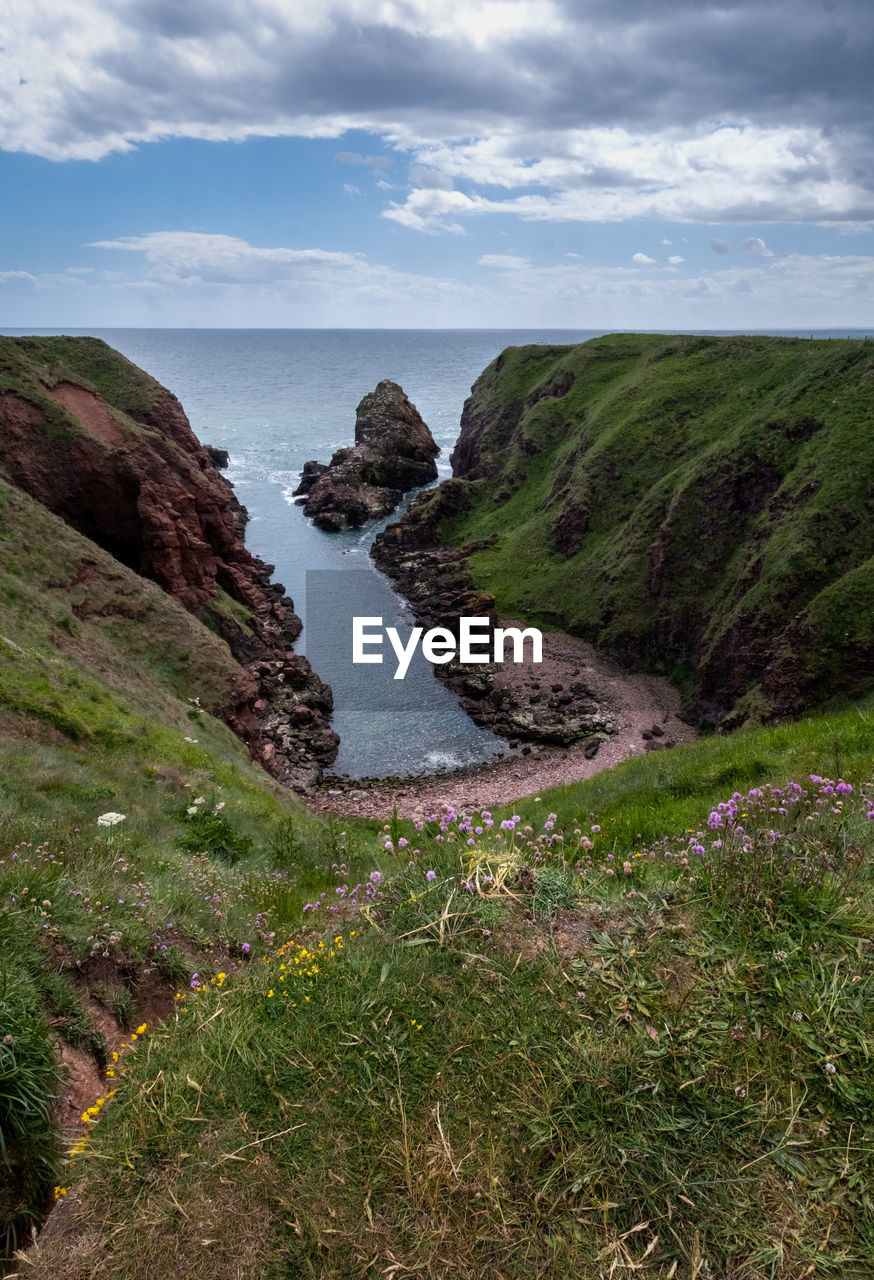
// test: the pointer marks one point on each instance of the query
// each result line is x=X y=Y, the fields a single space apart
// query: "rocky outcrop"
x=110 y=451
x=437 y=582
x=393 y=452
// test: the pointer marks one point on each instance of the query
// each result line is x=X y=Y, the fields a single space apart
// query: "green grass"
x=721 y=506
x=669 y=1071
x=29 y=365
x=107 y=686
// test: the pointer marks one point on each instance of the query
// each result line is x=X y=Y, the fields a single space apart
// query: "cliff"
x=110 y=451
x=700 y=506
x=393 y=452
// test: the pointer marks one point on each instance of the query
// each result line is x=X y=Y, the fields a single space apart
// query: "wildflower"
x=430 y=875
x=110 y=819
x=830 y=1069
x=245 y=948
x=596 y=829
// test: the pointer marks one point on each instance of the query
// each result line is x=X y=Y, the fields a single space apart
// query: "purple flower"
x=814 y=777
x=714 y=821
x=245 y=948
x=430 y=875
x=844 y=788
x=403 y=842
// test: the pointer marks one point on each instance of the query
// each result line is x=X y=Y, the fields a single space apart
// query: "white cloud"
x=719 y=245
x=642 y=260
x=372 y=162
x=481 y=91
x=729 y=173
x=178 y=276
x=756 y=246
x=675 y=260
x=186 y=262
x=430 y=179
x=507 y=261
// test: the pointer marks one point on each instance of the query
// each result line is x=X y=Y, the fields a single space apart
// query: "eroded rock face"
x=393 y=452
x=437 y=582
x=127 y=471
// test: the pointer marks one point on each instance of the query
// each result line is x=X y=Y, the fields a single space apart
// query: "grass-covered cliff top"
x=32 y=367
x=699 y=505
x=530 y=1052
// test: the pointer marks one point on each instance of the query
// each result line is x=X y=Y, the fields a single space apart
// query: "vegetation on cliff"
x=110 y=693
x=702 y=506
x=624 y=1028
x=110 y=451
x=534 y=1052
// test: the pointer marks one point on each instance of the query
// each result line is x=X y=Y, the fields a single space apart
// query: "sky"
x=437 y=163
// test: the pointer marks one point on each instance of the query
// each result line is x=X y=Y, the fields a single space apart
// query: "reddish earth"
x=150 y=494
x=639 y=705
x=89 y=409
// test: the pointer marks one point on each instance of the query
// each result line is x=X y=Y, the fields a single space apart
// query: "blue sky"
x=403 y=163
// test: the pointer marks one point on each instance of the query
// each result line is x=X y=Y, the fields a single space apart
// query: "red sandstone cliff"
x=109 y=450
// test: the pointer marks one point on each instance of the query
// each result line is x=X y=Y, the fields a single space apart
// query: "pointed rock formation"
x=393 y=452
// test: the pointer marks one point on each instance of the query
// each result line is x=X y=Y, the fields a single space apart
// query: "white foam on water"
x=442 y=760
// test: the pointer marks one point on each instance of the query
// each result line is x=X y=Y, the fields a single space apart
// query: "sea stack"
x=393 y=452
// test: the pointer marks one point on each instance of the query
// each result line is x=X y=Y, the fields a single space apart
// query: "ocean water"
x=276 y=398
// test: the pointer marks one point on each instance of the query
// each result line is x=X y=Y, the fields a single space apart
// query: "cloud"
x=197 y=263
x=642 y=260
x=177 y=275
x=726 y=173
x=685 y=113
x=350 y=190
x=430 y=179
x=507 y=261
x=721 y=246
x=372 y=162
x=757 y=246
x=675 y=260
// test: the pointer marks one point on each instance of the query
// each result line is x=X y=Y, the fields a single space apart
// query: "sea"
x=275 y=398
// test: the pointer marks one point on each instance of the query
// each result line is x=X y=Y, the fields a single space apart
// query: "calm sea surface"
x=275 y=398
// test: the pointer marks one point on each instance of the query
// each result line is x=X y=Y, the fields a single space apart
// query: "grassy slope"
x=622 y=1069
x=106 y=688
x=747 y=460
x=29 y=365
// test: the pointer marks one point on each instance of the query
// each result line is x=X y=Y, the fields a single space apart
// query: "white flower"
x=187 y=739
x=219 y=806
x=110 y=819
x=199 y=800
x=193 y=809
